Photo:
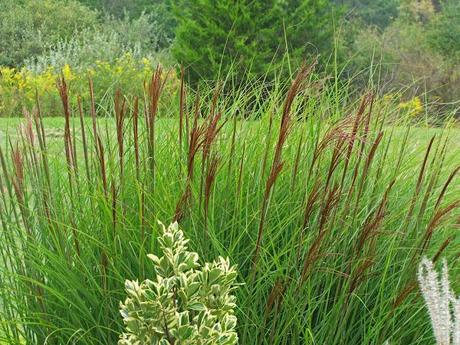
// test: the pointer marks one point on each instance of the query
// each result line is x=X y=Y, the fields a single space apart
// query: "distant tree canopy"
x=158 y=11
x=372 y=12
x=218 y=37
x=118 y=8
x=444 y=35
x=27 y=27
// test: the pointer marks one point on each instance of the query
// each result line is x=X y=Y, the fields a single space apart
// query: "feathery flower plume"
x=443 y=306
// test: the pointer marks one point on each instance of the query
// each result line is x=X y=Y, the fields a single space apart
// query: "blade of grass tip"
x=277 y=165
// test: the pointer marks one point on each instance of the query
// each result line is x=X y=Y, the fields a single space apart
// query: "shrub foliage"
x=185 y=303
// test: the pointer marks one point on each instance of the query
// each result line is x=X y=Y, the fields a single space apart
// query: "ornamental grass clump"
x=186 y=303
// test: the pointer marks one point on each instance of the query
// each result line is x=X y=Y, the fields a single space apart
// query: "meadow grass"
x=325 y=205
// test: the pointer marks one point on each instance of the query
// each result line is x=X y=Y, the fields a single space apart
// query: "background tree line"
x=411 y=44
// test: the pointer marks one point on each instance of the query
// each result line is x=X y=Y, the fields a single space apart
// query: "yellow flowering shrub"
x=18 y=87
x=413 y=107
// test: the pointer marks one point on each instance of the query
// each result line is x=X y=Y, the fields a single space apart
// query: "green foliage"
x=215 y=39
x=158 y=13
x=28 y=27
x=444 y=33
x=120 y=8
x=185 y=303
x=105 y=42
x=417 y=52
x=378 y=13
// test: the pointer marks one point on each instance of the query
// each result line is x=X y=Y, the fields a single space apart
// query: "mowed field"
x=418 y=137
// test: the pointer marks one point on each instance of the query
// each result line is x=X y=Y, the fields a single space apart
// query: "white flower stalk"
x=456 y=323
x=443 y=307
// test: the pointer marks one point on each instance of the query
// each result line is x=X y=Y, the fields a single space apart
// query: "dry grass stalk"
x=83 y=137
x=312 y=198
x=368 y=237
x=437 y=218
x=241 y=170
x=419 y=181
x=232 y=145
x=120 y=110
x=114 y=205
x=136 y=134
x=444 y=188
x=338 y=136
x=354 y=132
x=181 y=107
x=296 y=163
x=210 y=135
x=18 y=176
x=155 y=89
x=365 y=171
x=267 y=144
x=274 y=302
x=315 y=249
x=412 y=283
x=277 y=165
x=69 y=151
x=39 y=123
x=196 y=141
x=101 y=157
x=211 y=173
